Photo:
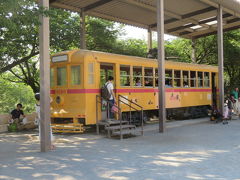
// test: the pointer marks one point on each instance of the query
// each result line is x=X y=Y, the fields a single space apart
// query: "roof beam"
x=95 y=5
x=189 y=15
x=202 y=23
x=215 y=32
x=195 y=13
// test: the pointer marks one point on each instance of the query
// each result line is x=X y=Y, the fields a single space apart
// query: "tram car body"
x=78 y=75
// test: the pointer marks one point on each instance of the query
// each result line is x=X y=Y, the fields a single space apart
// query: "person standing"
x=112 y=99
x=235 y=94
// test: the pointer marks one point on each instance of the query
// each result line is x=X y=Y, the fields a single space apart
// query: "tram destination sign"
x=60 y=58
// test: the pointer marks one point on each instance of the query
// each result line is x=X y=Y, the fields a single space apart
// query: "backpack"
x=105 y=94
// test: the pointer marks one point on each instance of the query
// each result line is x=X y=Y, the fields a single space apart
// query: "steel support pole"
x=194 y=60
x=82 y=30
x=149 y=39
x=44 y=79
x=161 y=65
x=220 y=59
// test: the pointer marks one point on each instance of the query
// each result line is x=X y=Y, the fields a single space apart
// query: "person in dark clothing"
x=15 y=116
x=16 y=113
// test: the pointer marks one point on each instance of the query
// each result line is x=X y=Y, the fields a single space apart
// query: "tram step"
x=111 y=122
x=125 y=131
x=68 y=128
x=113 y=128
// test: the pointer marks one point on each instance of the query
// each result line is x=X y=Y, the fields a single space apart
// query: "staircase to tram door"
x=118 y=127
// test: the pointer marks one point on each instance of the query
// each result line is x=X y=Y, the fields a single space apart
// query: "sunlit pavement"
x=193 y=149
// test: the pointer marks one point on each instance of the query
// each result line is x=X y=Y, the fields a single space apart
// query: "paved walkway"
x=193 y=149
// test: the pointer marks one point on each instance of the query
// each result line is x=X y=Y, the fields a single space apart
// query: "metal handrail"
x=119 y=112
x=131 y=102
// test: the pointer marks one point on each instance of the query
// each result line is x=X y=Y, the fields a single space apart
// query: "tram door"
x=106 y=70
x=214 y=89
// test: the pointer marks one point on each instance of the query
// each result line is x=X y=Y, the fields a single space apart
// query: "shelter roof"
x=183 y=18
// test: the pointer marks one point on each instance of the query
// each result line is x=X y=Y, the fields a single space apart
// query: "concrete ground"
x=192 y=149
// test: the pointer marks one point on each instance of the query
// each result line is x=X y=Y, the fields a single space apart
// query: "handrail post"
x=97 y=125
x=130 y=120
x=119 y=106
x=120 y=116
x=142 y=120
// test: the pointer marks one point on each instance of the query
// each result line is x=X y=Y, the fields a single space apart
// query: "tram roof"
x=183 y=18
x=129 y=59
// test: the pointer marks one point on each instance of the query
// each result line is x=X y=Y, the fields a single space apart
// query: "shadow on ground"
x=192 y=151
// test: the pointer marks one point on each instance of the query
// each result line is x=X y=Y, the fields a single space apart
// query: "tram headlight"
x=58 y=99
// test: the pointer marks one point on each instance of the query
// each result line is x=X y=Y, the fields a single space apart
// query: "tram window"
x=90 y=73
x=148 y=77
x=124 y=75
x=61 y=76
x=177 y=78
x=52 y=77
x=168 y=78
x=137 y=76
x=185 y=79
x=200 y=79
x=156 y=77
x=193 y=78
x=75 y=75
x=206 y=79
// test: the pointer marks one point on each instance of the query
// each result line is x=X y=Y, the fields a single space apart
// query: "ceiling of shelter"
x=183 y=18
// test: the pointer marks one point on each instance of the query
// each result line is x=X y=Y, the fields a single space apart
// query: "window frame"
x=204 y=79
x=188 y=78
x=178 y=78
x=141 y=77
x=149 y=77
x=170 y=78
x=130 y=76
x=66 y=80
x=200 y=79
x=90 y=73
x=80 y=74
x=191 y=79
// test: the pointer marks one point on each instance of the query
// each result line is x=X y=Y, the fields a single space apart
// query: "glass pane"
x=148 y=81
x=52 y=77
x=90 y=68
x=193 y=78
x=137 y=81
x=206 y=79
x=75 y=75
x=90 y=73
x=90 y=79
x=185 y=79
x=168 y=74
x=177 y=74
x=125 y=80
x=200 y=79
x=124 y=70
x=148 y=72
x=177 y=83
x=137 y=71
x=137 y=76
x=124 y=75
x=61 y=76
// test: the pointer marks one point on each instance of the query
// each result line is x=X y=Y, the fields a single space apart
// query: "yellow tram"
x=78 y=75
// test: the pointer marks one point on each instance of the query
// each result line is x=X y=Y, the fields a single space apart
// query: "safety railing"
x=129 y=104
x=99 y=99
